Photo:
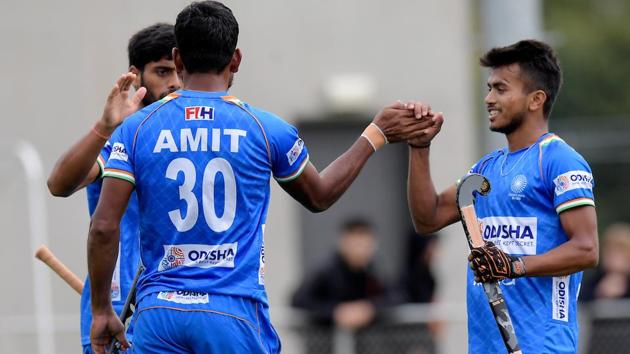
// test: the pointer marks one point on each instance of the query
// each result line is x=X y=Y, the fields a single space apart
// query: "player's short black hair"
x=206 y=33
x=356 y=225
x=152 y=43
x=537 y=60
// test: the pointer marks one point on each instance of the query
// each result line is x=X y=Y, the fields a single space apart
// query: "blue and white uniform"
x=201 y=163
x=128 y=255
x=529 y=189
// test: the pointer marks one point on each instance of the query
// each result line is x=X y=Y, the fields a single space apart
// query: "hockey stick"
x=45 y=255
x=126 y=312
x=466 y=190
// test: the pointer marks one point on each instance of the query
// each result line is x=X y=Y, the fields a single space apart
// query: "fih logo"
x=519 y=182
x=199 y=113
x=174 y=258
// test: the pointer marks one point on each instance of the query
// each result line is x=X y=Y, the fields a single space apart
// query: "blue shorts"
x=188 y=322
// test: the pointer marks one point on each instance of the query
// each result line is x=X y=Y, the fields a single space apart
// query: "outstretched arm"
x=77 y=167
x=318 y=191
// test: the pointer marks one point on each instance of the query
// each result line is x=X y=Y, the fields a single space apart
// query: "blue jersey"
x=201 y=163
x=529 y=189
x=128 y=253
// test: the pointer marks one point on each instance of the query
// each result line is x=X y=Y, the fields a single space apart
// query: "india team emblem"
x=519 y=182
x=174 y=257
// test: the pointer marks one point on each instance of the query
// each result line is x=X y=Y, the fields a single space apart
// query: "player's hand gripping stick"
x=126 y=312
x=468 y=188
x=45 y=255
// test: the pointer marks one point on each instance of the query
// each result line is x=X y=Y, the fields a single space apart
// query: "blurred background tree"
x=593 y=41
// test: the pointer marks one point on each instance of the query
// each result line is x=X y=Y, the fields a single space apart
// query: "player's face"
x=507 y=99
x=160 y=78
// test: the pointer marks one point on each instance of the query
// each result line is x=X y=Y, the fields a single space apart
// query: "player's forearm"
x=421 y=194
x=337 y=177
x=102 y=253
x=77 y=166
x=568 y=258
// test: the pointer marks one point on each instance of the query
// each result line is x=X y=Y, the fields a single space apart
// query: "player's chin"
x=166 y=93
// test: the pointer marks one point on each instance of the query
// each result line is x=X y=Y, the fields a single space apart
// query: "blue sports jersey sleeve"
x=120 y=160
x=568 y=176
x=102 y=158
x=289 y=155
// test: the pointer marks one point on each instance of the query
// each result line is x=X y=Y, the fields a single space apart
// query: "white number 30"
x=215 y=166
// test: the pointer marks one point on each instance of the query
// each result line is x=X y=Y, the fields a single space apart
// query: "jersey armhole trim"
x=100 y=161
x=120 y=174
x=574 y=203
x=295 y=174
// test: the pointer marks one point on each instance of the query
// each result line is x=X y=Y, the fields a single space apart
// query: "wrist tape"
x=375 y=136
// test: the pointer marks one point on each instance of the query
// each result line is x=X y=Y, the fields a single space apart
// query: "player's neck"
x=209 y=82
x=527 y=134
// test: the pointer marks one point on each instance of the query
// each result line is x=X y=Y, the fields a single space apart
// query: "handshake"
x=413 y=122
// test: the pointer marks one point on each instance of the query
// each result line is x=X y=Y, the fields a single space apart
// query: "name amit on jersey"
x=201 y=139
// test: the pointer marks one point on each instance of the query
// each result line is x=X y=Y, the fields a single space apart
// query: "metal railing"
x=409 y=329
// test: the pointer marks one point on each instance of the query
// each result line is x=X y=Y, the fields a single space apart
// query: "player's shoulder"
x=271 y=122
x=134 y=120
x=553 y=148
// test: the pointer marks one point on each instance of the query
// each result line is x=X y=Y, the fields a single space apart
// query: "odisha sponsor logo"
x=189 y=293
x=174 y=258
x=118 y=148
x=581 y=178
x=562 y=299
x=507 y=231
x=214 y=255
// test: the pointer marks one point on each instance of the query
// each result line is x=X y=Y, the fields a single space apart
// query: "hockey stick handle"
x=502 y=317
x=492 y=290
x=115 y=347
x=45 y=255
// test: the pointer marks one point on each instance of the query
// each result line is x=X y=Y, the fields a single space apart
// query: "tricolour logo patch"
x=295 y=151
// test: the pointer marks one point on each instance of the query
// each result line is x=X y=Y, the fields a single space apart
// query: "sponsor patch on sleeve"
x=119 y=152
x=295 y=151
x=573 y=180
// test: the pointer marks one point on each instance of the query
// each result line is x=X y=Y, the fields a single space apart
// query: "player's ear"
x=537 y=100
x=236 y=60
x=177 y=60
x=136 y=82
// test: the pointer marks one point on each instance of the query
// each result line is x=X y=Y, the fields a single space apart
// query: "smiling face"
x=507 y=99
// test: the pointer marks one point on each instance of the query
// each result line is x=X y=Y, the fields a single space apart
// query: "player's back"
x=202 y=163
